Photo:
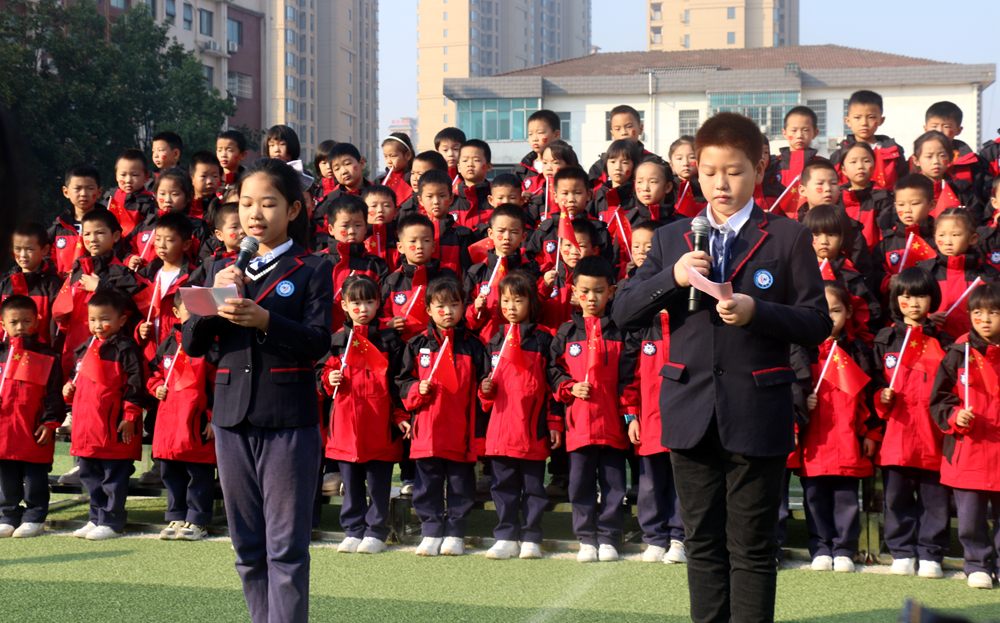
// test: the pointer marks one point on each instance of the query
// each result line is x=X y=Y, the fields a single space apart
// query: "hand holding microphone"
x=234 y=274
x=697 y=259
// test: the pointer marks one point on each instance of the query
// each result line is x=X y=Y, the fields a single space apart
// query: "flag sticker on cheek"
x=440 y=312
x=413 y=247
x=904 y=305
x=356 y=311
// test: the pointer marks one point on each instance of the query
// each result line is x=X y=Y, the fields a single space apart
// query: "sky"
x=964 y=34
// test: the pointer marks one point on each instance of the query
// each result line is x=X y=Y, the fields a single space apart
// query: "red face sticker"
x=355 y=167
x=634 y=132
x=904 y=305
x=356 y=311
x=503 y=310
x=233 y=235
x=583 y=297
x=413 y=247
x=107 y=327
x=545 y=140
x=441 y=312
x=343 y=232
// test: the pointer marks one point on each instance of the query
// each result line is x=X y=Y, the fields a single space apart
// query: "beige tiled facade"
x=721 y=24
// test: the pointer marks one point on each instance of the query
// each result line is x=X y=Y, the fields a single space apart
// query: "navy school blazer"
x=269 y=378
x=741 y=376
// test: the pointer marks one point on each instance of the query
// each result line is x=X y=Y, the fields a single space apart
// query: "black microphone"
x=701 y=229
x=248 y=249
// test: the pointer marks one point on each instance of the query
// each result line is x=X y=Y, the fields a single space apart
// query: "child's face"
x=360 y=312
x=765 y=153
x=265 y=213
x=229 y=154
x=934 y=160
x=19 y=322
x=592 y=293
x=231 y=234
x=912 y=206
x=570 y=254
x=472 y=165
x=728 y=178
x=381 y=209
x=799 y=132
x=507 y=234
x=839 y=313
x=827 y=246
x=987 y=324
x=436 y=199
x=574 y=194
x=859 y=167
x=103 y=321
x=642 y=242
x=170 y=195
x=163 y=156
x=324 y=169
x=823 y=188
x=551 y=164
x=347 y=170
x=82 y=192
x=540 y=135
x=130 y=175
x=278 y=148
x=396 y=155
x=500 y=195
x=914 y=308
x=416 y=244
x=181 y=313
x=514 y=307
x=417 y=170
x=948 y=127
x=683 y=162
x=445 y=313
x=29 y=253
x=864 y=120
x=953 y=237
x=205 y=178
x=347 y=227
x=451 y=150
x=169 y=245
x=625 y=126
x=620 y=170
x=98 y=238
x=651 y=185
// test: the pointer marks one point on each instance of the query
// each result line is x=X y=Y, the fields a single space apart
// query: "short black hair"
x=434 y=159
x=83 y=169
x=859 y=144
x=547 y=117
x=805 y=111
x=831 y=220
x=819 y=164
x=177 y=223
x=627 y=148
x=344 y=149
x=101 y=216
x=446 y=289
x=865 y=98
x=134 y=155
x=957 y=214
x=914 y=281
x=646 y=224
x=520 y=283
x=686 y=139
x=378 y=190
x=224 y=212
x=178 y=298
x=509 y=210
x=109 y=298
x=414 y=219
x=586 y=227
x=18 y=302
x=594 y=266
x=944 y=110
x=562 y=150
x=933 y=135
x=916 y=181
x=433 y=177
x=839 y=292
x=733 y=131
x=625 y=109
x=482 y=146
x=449 y=134
x=236 y=136
x=172 y=139
x=986 y=296
x=181 y=177
x=665 y=168
x=399 y=137
x=509 y=180
x=33 y=229
x=359 y=288
x=282 y=132
x=204 y=157
x=322 y=153
x=351 y=204
x=571 y=173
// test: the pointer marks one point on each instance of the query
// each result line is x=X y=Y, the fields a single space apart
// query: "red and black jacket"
x=452 y=245
x=477 y=281
x=322 y=186
x=989 y=155
x=67 y=241
x=399 y=288
x=446 y=425
x=381 y=242
x=866 y=313
x=967 y=198
x=472 y=207
x=895 y=165
x=202 y=208
x=557 y=299
x=782 y=170
x=409 y=206
x=888 y=254
x=26 y=405
x=653 y=347
x=543 y=245
x=139 y=206
x=198 y=275
x=969 y=167
x=955 y=274
x=163 y=318
x=871 y=207
x=351 y=259
x=323 y=213
x=607 y=197
x=42 y=286
x=518 y=409
x=142 y=241
x=525 y=170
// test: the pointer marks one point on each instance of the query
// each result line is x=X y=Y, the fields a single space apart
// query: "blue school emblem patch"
x=550 y=246
x=555 y=293
x=891 y=361
x=527 y=183
x=995 y=257
x=146 y=235
x=60 y=243
x=894 y=258
x=649 y=348
x=495 y=359
x=168 y=362
x=484 y=289
x=425 y=361
x=962 y=379
x=575 y=350
x=400 y=298
x=285 y=288
x=763 y=279
x=454 y=215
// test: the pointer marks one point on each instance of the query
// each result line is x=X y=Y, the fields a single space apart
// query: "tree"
x=84 y=90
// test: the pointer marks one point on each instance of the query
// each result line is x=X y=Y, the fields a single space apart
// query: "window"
x=564 y=125
x=446 y=66
x=607 y=124
x=777 y=17
x=290 y=83
x=350 y=99
x=657 y=11
x=290 y=36
x=290 y=13
x=290 y=59
x=446 y=118
x=350 y=78
x=205 y=25
x=234 y=31
x=775 y=40
x=290 y=106
x=240 y=85
x=209 y=76
x=170 y=11
x=731 y=13
x=189 y=17
x=445 y=32
x=819 y=107
x=445 y=49
x=446 y=16
x=687 y=41
x=687 y=121
x=846 y=130
x=766 y=108
x=118 y=4
x=731 y=38
x=687 y=16
x=496 y=119
x=303 y=112
x=473 y=33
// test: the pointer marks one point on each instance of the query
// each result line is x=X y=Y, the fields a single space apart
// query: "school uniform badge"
x=995 y=257
x=168 y=362
x=527 y=184
x=890 y=361
x=484 y=289
x=286 y=288
x=399 y=298
x=555 y=293
x=454 y=215
x=495 y=359
x=649 y=349
x=575 y=350
x=146 y=235
x=60 y=242
x=425 y=361
x=894 y=258
x=550 y=246
x=763 y=279
x=963 y=380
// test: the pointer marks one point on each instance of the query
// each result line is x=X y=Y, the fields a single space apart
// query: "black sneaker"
x=558 y=487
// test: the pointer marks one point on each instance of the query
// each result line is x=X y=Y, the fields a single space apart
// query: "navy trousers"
x=269 y=479
x=106 y=480
x=518 y=486
x=979 y=546
x=190 y=491
x=658 y=508
x=597 y=523
x=784 y=512
x=916 y=513
x=358 y=516
x=21 y=481
x=833 y=515
x=433 y=474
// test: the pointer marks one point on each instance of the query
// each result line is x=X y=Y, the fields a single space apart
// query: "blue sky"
x=966 y=34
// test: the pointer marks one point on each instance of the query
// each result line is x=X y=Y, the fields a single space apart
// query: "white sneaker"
x=28 y=530
x=453 y=546
x=7 y=530
x=530 y=550
x=676 y=553
x=502 y=550
x=371 y=545
x=172 y=531
x=407 y=488
x=822 y=563
x=607 y=553
x=333 y=484
x=930 y=569
x=980 y=579
x=103 y=533
x=84 y=531
x=843 y=564
x=654 y=553
x=904 y=566
x=429 y=546
x=349 y=545
x=192 y=532
x=587 y=553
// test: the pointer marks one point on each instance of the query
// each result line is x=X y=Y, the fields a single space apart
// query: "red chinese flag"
x=363 y=354
x=147 y=298
x=612 y=197
x=444 y=369
x=479 y=250
x=878 y=175
x=593 y=347
x=923 y=353
x=183 y=375
x=125 y=218
x=565 y=231
x=827 y=271
x=982 y=376
x=796 y=162
x=63 y=303
x=686 y=205
x=512 y=350
x=398 y=184
x=31 y=367
x=919 y=251
x=619 y=228
x=789 y=201
x=945 y=198
x=844 y=374
x=90 y=365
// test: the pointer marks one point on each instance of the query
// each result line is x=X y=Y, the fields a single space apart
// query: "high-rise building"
x=721 y=24
x=407 y=125
x=470 y=38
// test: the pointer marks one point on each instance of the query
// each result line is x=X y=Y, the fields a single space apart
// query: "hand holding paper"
x=720 y=291
x=205 y=301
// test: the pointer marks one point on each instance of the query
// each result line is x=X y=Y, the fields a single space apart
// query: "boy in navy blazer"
x=726 y=399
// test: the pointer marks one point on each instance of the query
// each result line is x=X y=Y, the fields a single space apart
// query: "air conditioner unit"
x=212 y=46
x=232 y=47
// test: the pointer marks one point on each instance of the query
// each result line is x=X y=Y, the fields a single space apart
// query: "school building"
x=675 y=92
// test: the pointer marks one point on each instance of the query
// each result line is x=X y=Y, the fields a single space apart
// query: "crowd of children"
x=471 y=324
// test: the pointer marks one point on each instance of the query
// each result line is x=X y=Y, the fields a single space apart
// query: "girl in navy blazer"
x=266 y=417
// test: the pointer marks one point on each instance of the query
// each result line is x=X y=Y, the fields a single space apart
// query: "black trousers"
x=729 y=505
x=190 y=491
x=106 y=480
x=597 y=523
x=434 y=474
x=518 y=487
x=833 y=515
x=979 y=547
x=21 y=481
x=365 y=512
x=917 y=522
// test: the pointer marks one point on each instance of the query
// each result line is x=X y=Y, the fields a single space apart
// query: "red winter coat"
x=954 y=275
x=557 y=304
x=164 y=320
x=350 y=259
x=477 y=281
x=24 y=406
x=653 y=346
x=399 y=288
x=42 y=286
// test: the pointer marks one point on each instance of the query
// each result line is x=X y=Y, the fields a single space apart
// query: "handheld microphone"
x=701 y=229
x=248 y=249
